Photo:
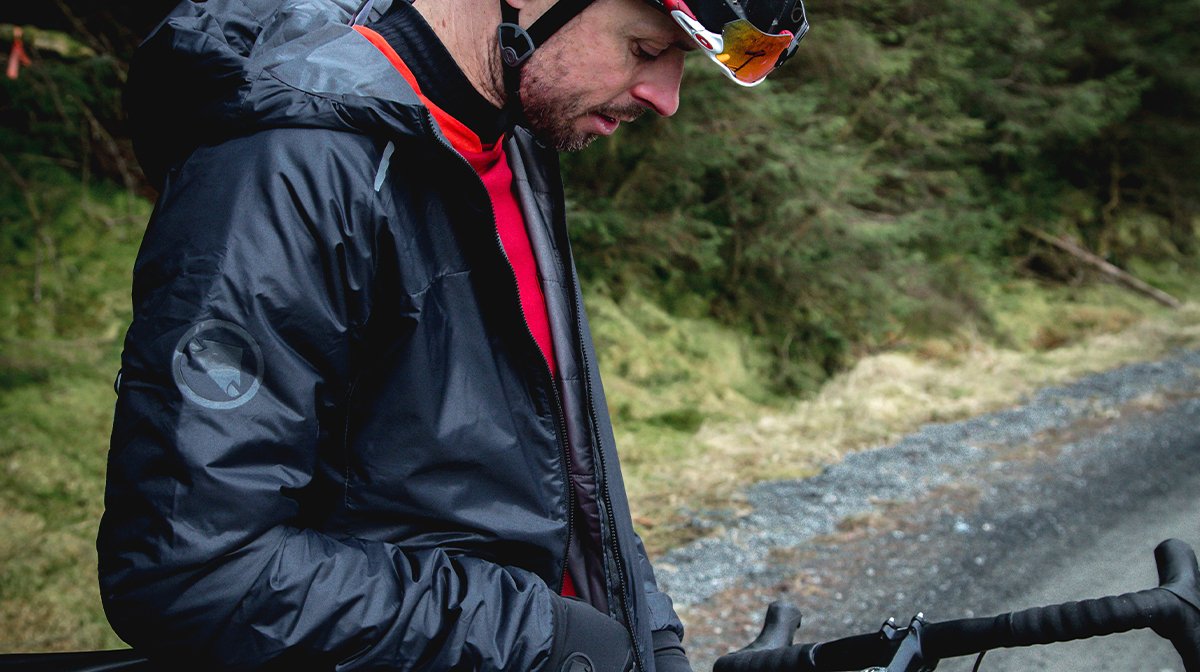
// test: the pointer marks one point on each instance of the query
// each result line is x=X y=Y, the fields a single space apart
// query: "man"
x=359 y=421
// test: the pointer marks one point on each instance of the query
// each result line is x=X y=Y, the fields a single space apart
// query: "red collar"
x=461 y=138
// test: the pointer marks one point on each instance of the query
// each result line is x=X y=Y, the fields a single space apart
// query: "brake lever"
x=782 y=621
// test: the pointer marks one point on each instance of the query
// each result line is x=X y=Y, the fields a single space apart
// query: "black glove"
x=586 y=640
x=669 y=655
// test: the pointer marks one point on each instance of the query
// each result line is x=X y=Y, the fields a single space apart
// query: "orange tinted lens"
x=749 y=53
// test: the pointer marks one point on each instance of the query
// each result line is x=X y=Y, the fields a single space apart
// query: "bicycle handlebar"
x=1172 y=610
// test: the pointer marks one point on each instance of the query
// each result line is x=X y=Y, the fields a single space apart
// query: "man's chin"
x=572 y=141
x=577 y=143
x=565 y=133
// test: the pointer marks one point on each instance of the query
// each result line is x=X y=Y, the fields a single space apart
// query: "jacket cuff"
x=669 y=655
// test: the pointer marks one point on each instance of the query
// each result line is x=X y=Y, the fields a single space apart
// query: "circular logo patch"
x=218 y=365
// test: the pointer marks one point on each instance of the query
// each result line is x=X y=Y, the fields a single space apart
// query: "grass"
x=693 y=418
x=58 y=357
x=1047 y=336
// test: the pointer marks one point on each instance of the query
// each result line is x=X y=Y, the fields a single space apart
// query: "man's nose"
x=658 y=86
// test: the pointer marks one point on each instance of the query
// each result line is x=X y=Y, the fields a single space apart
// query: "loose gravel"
x=800 y=534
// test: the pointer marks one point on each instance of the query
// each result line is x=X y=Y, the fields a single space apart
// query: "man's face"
x=610 y=64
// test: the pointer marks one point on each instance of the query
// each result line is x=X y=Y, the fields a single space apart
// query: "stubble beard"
x=552 y=112
x=550 y=116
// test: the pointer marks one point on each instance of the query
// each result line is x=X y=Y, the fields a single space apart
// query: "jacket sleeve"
x=666 y=628
x=253 y=282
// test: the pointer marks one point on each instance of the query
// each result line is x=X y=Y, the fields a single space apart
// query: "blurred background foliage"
x=871 y=190
x=863 y=196
x=876 y=195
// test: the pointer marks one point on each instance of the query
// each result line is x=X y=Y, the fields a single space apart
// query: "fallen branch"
x=1123 y=277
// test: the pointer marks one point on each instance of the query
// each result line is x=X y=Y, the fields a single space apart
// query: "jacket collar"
x=438 y=76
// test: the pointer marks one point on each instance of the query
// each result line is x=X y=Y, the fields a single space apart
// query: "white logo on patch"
x=218 y=365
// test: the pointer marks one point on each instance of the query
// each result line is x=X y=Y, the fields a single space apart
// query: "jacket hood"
x=223 y=68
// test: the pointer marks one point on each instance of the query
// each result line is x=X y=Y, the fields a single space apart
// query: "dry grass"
x=881 y=399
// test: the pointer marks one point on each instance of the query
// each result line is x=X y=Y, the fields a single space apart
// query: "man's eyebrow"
x=679 y=40
x=685 y=44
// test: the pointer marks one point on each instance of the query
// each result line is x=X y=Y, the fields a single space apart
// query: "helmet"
x=747 y=39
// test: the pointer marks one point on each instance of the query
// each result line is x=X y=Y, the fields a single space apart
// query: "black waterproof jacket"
x=336 y=443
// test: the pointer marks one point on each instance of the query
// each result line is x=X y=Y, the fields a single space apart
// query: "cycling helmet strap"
x=518 y=44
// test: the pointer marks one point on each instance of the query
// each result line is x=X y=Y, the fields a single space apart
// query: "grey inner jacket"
x=336 y=443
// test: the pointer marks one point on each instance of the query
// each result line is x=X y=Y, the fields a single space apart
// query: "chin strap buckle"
x=516 y=45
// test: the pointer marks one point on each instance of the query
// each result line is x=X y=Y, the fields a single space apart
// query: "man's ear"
x=516 y=4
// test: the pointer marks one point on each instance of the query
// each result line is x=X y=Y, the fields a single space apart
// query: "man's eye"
x=646 y=53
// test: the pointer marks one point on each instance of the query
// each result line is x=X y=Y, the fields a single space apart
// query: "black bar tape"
x=1046 y=625
x=854 y=653
x=123 y=660
x=768 y=660
x=849 y=653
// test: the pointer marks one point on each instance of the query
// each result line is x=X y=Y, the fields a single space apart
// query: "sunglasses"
x=745 y=54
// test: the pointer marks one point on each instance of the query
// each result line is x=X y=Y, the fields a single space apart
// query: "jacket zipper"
x=606 y=496
x=560 y=416
x=622 y=574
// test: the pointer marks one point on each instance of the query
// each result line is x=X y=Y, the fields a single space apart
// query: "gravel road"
x=1060 y=498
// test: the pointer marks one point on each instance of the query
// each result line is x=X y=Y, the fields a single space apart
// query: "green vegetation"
x=870 y=205
x=63 y=307
x=776 y=277
x=876 y=189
